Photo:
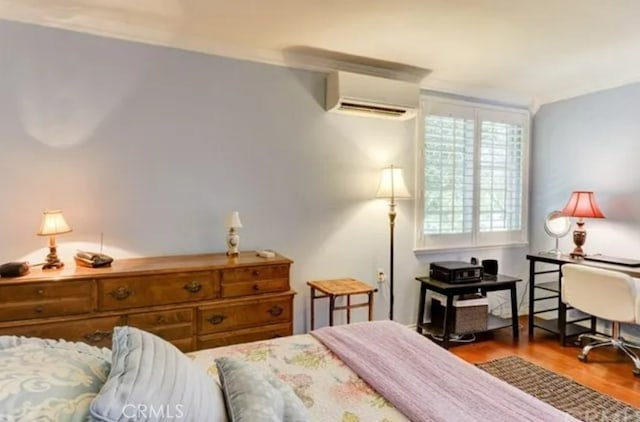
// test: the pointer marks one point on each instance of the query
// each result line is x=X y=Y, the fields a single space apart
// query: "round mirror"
x=557 y=225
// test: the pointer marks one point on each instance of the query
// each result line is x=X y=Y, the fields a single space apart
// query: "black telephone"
x=92 y=259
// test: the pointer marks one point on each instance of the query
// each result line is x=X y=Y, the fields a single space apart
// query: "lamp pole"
x=392 y=222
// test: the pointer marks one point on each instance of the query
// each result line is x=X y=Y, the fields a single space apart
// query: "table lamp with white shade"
x=53 y=223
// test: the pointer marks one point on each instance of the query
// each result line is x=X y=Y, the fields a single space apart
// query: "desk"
x=561 y=326
x=488 y=284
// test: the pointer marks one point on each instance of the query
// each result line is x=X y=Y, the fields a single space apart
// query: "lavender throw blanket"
x=426 y=382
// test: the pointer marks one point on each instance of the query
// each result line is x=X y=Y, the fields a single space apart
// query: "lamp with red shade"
x=582 y=204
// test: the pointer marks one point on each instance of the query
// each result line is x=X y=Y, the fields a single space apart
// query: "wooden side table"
x=341 y=287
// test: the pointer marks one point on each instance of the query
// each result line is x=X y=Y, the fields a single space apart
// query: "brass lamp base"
x=52 y=260
x=50 y=265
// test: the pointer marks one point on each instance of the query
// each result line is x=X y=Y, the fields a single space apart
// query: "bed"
x=373 y=371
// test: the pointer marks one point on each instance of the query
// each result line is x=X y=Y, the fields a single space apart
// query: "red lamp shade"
x=582 y=204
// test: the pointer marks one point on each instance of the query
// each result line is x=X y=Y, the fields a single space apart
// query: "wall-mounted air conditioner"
x=364 y=95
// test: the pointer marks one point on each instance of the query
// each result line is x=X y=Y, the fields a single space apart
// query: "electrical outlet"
x=381 y=275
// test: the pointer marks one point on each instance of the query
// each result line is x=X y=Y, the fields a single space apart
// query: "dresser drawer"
x=238 y=288
x=184 y=344
x=244 y=314
x=95 y=331
x=132 y=292
x=263 y=272
x=255 y=280
x=170 y=325
x=244 y=336
x=41 y=300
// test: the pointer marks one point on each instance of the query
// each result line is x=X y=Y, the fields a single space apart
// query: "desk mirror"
x=557 y=225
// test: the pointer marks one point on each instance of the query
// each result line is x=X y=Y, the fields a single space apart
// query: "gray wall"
x=590 y=143
x=154 y=146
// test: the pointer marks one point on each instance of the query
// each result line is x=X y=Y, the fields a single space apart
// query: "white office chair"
x=610 y=295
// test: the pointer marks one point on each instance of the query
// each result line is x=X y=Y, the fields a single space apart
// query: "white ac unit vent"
x=364 y=95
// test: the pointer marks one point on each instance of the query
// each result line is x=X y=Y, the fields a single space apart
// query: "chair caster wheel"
x=582 y=358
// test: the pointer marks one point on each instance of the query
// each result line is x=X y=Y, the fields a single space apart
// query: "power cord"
x=497 y=310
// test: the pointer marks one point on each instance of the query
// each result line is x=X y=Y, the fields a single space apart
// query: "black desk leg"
x=447 y=326
x=562 y=322
x=562 y=311
x=420 y=320
x=532 y=282
x=514 y=312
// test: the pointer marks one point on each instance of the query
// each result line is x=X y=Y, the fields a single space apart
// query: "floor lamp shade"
x=392 y=184
x=581 y=204
x=392 y=187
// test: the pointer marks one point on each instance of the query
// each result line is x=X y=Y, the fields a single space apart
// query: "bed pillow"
x=49 y=380
x=250 y=396
x=151 y=379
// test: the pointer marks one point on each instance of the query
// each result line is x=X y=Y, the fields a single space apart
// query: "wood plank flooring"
x=607 y=371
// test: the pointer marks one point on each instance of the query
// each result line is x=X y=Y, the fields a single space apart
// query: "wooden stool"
x=340 y=287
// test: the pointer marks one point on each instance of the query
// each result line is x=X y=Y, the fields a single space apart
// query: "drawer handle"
x=256 y=287
x=255 y=273
x=216 y=319
x=97 y=336
x=161 y=320
x=38 y=309
x=193 y=287
x=276 y=311
x=121 y=293
x=40 y=292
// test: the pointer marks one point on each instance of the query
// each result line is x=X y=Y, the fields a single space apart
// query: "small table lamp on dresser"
x=233 y=238
x=582 y=204
x=53 y=223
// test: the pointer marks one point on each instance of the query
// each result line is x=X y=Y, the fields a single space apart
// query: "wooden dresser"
x=193 y=301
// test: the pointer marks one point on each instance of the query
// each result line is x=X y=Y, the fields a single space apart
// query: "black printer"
x=455 y=272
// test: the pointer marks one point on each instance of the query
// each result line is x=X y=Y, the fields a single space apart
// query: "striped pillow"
x=151 y=379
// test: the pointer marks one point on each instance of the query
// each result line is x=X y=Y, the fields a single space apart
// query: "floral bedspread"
x=330 y=390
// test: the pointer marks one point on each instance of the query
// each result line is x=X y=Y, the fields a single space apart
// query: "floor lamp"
x=392 y=187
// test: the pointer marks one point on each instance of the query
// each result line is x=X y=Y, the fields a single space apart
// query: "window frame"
x=475 y=240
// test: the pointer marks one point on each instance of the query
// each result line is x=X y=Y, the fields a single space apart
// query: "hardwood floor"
x=607 y=371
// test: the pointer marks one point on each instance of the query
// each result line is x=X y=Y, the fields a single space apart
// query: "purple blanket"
x=426 y=382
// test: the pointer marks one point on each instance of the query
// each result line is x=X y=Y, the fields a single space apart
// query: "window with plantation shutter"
x=473 y=186
x=448 y=172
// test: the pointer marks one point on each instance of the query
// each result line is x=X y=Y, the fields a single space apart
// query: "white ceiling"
x=524 y=52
